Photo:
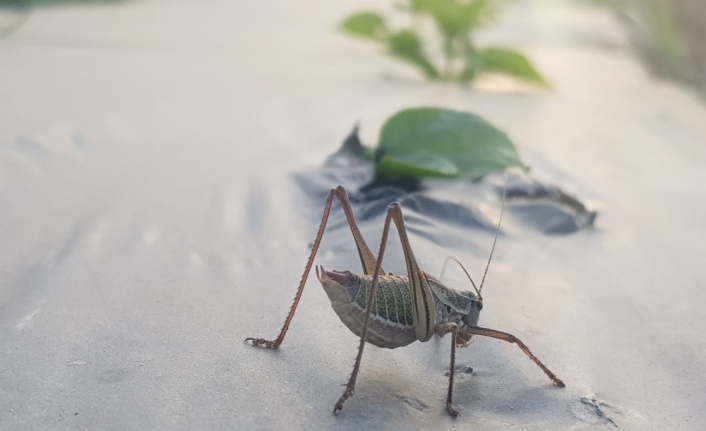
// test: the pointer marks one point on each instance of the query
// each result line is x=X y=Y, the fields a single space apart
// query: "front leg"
x=477 y=330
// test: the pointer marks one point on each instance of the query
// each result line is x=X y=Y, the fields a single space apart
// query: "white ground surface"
x=149 y=221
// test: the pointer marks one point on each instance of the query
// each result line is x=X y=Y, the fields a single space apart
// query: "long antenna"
x=443 y=269
x=502 y=206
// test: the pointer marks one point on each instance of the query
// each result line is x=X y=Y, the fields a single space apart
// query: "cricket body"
x=392 y=315
x=392 y=311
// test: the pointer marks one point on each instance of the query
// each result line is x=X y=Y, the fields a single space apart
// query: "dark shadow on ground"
x=463 y=204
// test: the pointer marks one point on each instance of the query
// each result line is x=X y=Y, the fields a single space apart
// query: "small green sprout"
x=456 y=21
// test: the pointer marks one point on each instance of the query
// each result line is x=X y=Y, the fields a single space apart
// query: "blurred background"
x=665 y=32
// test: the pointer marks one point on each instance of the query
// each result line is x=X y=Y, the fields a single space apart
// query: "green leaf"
x=420 y=6
x=369 y=153
x=510 y=62
x=470 y=67
x=435 y=142
x=418 y=166
x=369 y=25
x=406 y=45
x=454 y=17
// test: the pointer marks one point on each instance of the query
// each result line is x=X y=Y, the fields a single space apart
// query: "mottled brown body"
x=392 y=318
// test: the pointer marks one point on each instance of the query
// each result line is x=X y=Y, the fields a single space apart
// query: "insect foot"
x=261 y=342
x=451 y=410
x=346 y=394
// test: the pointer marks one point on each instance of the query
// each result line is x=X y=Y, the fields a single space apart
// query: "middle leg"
x=442 y=330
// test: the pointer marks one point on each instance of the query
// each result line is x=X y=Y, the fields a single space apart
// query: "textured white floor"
x=149 y=221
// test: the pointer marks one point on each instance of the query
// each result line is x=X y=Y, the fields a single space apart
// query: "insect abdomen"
x=393 y=299
x=391 y=323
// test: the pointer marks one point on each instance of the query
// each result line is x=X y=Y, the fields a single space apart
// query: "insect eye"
x=479 y=305
x=448 y=309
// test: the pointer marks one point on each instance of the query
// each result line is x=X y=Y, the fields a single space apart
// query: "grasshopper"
x=392 y=311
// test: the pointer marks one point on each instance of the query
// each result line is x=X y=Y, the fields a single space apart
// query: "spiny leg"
x=423 y=307
x=423 y=301
x=442 y=330
x=350 y=387
x=366 y=258
x=477 y=330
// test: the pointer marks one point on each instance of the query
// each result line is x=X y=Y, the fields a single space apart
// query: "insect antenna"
x=502 y=206
x=443 y=269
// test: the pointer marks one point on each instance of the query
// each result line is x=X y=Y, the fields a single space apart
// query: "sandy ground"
x=151 y=218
